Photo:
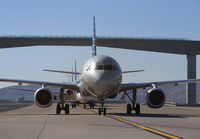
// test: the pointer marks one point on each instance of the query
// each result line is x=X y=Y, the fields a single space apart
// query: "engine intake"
x=155 y=98
x=43 y=97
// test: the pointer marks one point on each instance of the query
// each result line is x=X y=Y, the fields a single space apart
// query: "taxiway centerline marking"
x=151 y=130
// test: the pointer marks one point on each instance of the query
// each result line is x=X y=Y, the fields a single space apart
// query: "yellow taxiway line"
x=154 y=131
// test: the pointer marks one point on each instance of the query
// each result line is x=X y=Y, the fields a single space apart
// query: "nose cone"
x=105 y=83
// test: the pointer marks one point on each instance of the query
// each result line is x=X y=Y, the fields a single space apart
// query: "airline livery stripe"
x=154 y=131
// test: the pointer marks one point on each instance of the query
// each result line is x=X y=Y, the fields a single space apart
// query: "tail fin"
x=123 y=98
x=94 y=53
x=75 y=71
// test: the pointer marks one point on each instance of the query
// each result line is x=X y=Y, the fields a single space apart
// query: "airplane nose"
x=104 y=84
x=103 y=77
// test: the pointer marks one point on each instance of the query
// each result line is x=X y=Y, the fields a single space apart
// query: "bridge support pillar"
x=191 y=74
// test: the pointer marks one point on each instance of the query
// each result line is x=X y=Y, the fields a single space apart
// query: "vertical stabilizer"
x=94 y=53
x=72 y=76
x=75 y=71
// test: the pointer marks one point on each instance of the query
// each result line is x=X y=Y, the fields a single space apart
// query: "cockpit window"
x=108 y=67
x=105 y=67
x=114 y=67
x=99 y=67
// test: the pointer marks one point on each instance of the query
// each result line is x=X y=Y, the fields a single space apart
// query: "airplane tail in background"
x=94 y=53
x=123 y=98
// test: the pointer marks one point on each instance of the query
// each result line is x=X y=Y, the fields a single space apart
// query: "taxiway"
x=39 y=123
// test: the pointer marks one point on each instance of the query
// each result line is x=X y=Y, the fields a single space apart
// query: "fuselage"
x=101 y=78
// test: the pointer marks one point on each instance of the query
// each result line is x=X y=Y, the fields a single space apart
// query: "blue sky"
x=142 y=18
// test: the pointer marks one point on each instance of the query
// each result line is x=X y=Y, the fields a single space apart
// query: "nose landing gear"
x=102 y=109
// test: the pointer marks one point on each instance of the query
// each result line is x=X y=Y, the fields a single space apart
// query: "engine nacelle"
x=155 y=98
x=43 y=97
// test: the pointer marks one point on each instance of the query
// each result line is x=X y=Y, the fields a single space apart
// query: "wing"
x=132 y=71
x=59 y=71
x=131 y=86
x=73 y=87
x=22 y=89
x=29 y=90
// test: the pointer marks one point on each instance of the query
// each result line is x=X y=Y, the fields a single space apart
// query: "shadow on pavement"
x=152 y=115
x=42 y=114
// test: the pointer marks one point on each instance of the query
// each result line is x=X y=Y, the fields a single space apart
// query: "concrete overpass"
x=189 y=48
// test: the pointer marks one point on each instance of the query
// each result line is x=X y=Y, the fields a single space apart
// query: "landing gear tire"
x=128 y=109
x=84 y=106
x=66 y=108
x=99 y=111
x=137 y=109
x=73 y=106
x=58 y=109
x=91 y=106
x=104 y=111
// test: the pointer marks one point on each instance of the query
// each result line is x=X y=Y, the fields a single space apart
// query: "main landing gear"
x=84 y=106
x=129 y=108
x=91 y=105
x=102 y=109
x=60 y=105
x=73 y=105
x=134 y=106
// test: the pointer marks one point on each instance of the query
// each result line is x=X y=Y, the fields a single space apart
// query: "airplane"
x=100 y=79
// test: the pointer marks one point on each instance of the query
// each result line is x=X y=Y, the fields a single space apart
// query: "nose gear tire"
x=137 y=109
x=128 y=109
x=66 y=108
x=58 y=109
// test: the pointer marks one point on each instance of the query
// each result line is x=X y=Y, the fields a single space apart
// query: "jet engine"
x=43 y=97
x=155 y=98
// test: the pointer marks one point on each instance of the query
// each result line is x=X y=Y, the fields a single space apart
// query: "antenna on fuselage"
x=94 y=53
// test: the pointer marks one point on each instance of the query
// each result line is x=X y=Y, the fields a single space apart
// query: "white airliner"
x=101 y=79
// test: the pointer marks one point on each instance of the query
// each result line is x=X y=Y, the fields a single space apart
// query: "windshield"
x=104 y=67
